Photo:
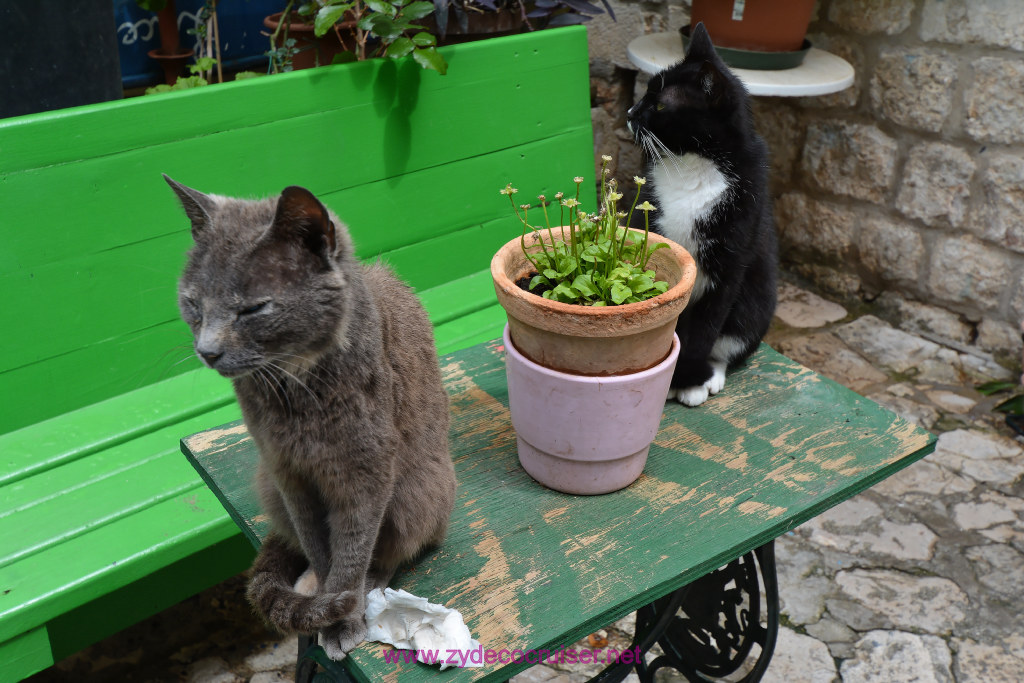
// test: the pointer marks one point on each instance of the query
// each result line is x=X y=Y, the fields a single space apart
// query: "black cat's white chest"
x=688 y=190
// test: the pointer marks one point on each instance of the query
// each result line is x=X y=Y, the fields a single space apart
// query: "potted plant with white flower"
x=592 y=308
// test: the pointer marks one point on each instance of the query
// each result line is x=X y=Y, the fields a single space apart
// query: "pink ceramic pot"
x=584 y=434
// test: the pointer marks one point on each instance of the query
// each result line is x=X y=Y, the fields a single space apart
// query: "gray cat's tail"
x=271 y=592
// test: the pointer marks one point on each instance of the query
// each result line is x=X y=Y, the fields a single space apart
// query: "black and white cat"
x=708 y=178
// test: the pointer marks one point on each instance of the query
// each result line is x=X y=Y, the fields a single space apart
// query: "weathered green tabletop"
x=530 y=568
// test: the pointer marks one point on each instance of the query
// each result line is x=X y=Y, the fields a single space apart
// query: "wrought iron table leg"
x=708 y=628
x=312 y=659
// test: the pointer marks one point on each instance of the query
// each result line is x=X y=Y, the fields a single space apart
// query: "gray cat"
x=336 y=371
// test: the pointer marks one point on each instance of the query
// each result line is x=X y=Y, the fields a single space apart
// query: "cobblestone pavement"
x=918 y=579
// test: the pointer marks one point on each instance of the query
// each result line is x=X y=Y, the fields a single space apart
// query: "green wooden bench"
x=533 y=570
x=102 y=521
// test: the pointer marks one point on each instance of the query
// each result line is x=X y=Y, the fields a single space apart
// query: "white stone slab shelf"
x=821 y=73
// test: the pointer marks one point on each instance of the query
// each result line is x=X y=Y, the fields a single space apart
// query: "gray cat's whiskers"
x=327 y=379
x=274 y=385
x=277 y=366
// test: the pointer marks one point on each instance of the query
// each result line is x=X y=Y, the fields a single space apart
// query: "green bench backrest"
x=93 y=240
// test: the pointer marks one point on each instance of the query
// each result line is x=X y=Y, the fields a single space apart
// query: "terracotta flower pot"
x=314 y=51
x=588 y=340
x=760 y=25
x=479 y=25
x=580 y=434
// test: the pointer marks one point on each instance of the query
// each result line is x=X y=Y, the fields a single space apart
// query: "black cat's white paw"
x=696 y=395
x=341 y=638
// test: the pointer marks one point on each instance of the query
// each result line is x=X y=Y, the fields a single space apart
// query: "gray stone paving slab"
x=898 y=657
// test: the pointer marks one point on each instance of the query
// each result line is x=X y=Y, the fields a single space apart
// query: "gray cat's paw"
x=338 y=640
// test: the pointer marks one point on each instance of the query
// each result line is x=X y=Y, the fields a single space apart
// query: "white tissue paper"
x=409 y=622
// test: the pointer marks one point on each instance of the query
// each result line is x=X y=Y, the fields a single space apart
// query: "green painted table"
x=532 y=569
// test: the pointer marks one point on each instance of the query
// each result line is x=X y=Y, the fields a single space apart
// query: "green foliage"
x=591 y=260
x=186 y=82
x=1014 y=404
x=152 y=5
x=392 y=22
x=183 y=83
x=202 y=64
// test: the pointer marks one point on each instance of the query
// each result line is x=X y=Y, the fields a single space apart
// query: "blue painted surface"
x=241 y=41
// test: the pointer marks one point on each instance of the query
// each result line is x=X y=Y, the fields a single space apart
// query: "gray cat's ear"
x=198 y=206
x=301 y=216
x=700 y=44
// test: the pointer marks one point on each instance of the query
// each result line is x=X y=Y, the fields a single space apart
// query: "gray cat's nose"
x=209 y=356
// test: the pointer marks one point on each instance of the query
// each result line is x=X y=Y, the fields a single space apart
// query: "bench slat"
x=396 y=212
x=474 y=328
x=59 y=504
x=25 y=654
x=70 y=574
x=59 y=440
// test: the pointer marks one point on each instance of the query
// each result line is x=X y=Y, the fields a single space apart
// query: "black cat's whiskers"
x=660 y=153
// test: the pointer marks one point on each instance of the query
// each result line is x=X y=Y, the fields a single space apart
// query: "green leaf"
x=640 y=283
x=424 y=39
x=152 y=6
x=326 y=17
x=620 y=292
x=599 y=303
x=343 y=58
x=620 y=273
x=996 y=386
x=1012 y=405
x=565 y=293
x=202 y=64
x=429 y=58
x=538 y=280
x=585 y=285
x=385 y=29
x=383 y=7
x=417 y=10
x=400 y=48
x=551 y=273
x=661 y=286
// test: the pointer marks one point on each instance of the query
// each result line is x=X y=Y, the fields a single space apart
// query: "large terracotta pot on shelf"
x=757 y=25
x=587 y=385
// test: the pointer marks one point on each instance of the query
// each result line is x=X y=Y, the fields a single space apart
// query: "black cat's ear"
x=700 y=44
x=714 y=84
x=301 y=216
x=198 y=206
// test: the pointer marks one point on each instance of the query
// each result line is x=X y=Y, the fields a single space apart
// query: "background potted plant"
x=458 y=21
x=767 y=34
x=336 y=31
x=591 y=349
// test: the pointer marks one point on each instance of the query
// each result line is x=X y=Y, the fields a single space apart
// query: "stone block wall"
x=906 y=188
